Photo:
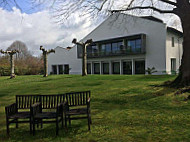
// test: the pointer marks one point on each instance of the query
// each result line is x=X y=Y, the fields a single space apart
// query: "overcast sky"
x=38 y=27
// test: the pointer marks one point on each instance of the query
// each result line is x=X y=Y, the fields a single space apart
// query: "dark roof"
x=152 y=18
x=175 y=31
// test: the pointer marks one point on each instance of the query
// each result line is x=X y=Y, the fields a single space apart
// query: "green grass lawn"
x=124 y=108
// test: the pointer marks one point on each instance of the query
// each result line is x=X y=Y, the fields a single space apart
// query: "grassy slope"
x=123 y=108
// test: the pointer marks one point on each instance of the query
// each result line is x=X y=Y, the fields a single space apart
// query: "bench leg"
x=33 y=127
x=89 y=122
x=16 y=123
x=38 y=123
x=30 y=126
x=69 y=120
x=65 y=121
x=62 y=121
x=7 y=123
x=57 y=126
x=41 y=123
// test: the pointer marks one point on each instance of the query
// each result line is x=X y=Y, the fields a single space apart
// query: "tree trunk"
x=45 y=65
x=183 y=78
x=12 y=66
x=84 y=62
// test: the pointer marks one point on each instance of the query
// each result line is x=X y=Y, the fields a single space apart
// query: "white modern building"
x=64 y=61
x=125 y=44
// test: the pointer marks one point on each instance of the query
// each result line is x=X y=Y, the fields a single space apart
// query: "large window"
x=139 y=67
x=96 y=68
x=54 y=69
x=89 y=50
x=94 y=49
x=173 y=64
x=116 y=68
x=134 y=45
x=60 y=69
x=106 y=48
x=89 y=68
x=105 y=68
x=66 y=69
x=127 y=67
x=116 y=47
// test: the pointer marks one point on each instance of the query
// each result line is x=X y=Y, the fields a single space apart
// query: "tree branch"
x=169 y=2
x=146 y=7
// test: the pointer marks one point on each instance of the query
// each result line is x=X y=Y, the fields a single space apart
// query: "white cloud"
x=40 y=29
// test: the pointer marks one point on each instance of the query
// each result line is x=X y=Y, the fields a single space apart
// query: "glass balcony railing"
x=114 y=53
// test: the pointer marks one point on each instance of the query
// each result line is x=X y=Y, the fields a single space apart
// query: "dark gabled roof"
x=152 y=18
x=170 y=29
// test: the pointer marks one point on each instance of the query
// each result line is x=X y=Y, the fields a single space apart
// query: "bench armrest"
x=88 y=104
x=11 y=109
x=36 y=108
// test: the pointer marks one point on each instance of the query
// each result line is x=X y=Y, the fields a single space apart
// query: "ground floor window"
x=89 y=68
x=127 y=67
x=60 y=67
x=66 y=69
x=116 y=67
x=139 y=67
x=173 y=65
x=96 y=68
x=54 y=69
x=105 y=68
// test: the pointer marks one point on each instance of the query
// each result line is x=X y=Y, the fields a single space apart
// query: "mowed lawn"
x=124 y=108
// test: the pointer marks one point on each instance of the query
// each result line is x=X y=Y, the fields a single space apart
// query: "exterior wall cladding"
x=128 y=44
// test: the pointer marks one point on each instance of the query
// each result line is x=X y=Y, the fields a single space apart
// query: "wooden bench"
x=50 y=117
x=19 y=112
x=77 y=106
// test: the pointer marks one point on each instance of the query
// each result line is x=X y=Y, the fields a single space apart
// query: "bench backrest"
x=48 y=101
x=25 y=101
x=77 y=98
x=51 y=101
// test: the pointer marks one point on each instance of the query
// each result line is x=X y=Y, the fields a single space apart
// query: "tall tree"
x=45 y=53
x=11 y=53
x=84 y=46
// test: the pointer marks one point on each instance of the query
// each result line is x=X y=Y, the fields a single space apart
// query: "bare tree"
x=45 y=53
x=22 y=48
x=84 y=46
x=11 y=53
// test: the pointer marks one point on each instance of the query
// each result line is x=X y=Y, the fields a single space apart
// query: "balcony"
x=122 y=46
x=116 y=53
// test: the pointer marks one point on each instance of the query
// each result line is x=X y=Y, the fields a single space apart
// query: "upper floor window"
x=106 y=48
x=173 y=42
x=94 y=49
x=117 y=47
x=134 y=45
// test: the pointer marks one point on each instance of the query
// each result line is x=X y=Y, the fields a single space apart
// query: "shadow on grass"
x=47 y=133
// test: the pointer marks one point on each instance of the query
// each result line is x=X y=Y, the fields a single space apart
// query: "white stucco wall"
x=173 y=52
x=63 y=56
x=126 y=25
